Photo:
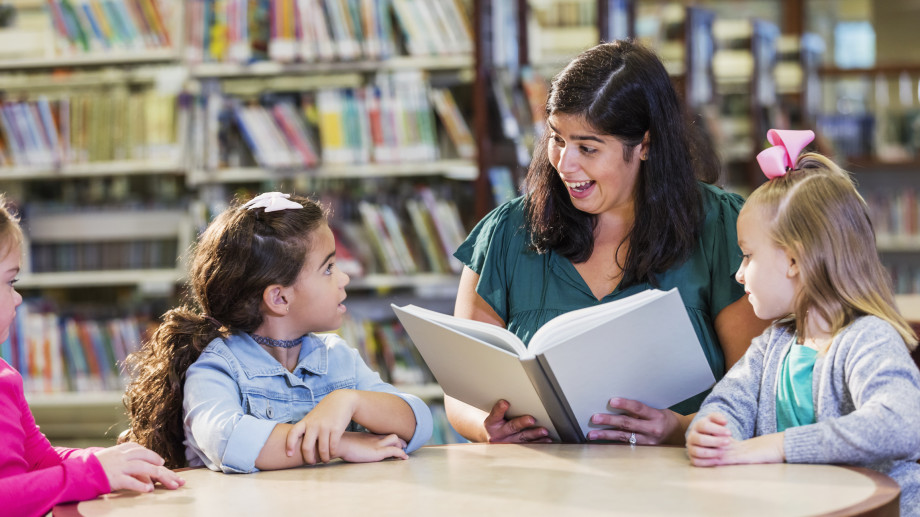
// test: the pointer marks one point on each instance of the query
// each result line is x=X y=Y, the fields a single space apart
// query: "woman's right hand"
x=134 y=467
x=516 y=430
x=356 y=447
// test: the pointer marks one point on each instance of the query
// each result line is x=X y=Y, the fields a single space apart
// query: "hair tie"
x=787 y=144
x=272 y=202
x=213 y=321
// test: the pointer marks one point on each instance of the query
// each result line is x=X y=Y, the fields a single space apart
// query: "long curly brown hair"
x=242 y=252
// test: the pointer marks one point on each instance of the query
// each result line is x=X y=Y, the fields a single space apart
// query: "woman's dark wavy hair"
x=622 y=89
x=241 y=253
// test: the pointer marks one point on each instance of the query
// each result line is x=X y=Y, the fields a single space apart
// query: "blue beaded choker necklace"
x=276 y=343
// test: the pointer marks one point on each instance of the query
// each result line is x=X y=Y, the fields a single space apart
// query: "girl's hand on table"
x=131 y=466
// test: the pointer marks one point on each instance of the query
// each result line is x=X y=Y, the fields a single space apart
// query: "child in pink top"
x=34 y=476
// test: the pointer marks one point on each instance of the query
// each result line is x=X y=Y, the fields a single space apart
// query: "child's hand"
x=710 y=443
x=134 y=467
x=323 y=426
x=367 y=447
x=708 y=440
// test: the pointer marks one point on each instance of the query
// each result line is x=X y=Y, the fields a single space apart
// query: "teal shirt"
x=527 y=289
x=795 y=405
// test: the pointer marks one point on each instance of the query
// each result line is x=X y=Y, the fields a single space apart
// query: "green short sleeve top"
x=527 y=289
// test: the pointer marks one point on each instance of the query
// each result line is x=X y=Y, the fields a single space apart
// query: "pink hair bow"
x=272 y=202
x=787 y=144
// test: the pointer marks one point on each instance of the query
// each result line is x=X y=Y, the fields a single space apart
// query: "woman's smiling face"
x=592 y=164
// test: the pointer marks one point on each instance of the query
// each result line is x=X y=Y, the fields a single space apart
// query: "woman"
x=613 y=207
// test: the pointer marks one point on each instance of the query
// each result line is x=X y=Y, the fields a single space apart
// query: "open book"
x=641 y=347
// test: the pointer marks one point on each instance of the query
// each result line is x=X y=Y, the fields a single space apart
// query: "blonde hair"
x=816 y=214
x=10 y=232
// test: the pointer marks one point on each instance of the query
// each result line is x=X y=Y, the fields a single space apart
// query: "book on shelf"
x=641 y=347
x=51 y=257
x=112 y=125
x=56 y=353
x=287 y=31
x=452 y=118
x=445 y=217
x=386 y=349
x=82 y=26
x=434 y=27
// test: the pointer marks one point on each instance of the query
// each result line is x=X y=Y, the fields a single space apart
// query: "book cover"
x=642 y=347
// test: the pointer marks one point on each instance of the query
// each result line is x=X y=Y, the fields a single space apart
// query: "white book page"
x=567 y=326
x=492 y=334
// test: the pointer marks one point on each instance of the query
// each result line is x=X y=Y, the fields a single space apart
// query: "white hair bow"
x=272 y=202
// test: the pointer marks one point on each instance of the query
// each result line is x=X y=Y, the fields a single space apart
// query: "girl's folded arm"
x=382 y=409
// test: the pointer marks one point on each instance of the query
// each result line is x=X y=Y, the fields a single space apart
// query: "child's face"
x=318 y=293
x=768 y=273
x=9 y=298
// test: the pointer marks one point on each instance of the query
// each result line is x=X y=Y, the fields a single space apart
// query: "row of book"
x=895 y=213
x=852 y=136
x=386 y=122
x=387 y=349
x=419 y=233
x=394 y=120
x=56 y=353
x=905 y=276
x=103 y=256
x=97 y=26
x=241 y=31
x=101 y=126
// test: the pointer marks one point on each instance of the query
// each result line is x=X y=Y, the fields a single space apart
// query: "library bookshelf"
x=84 y=201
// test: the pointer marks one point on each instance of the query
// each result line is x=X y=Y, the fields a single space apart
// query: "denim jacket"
x=235 y=394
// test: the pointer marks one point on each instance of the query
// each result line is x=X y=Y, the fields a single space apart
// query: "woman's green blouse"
x=527 y=289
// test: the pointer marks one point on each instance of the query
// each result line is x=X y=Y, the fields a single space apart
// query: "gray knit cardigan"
x=866 y=396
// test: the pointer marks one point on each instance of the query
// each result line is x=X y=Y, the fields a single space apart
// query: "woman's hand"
x=134 y=467
x=322 y=427
x=651 y=426
x=367 y=447
x=517 y=430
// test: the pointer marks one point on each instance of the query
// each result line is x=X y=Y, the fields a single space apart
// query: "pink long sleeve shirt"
x=34 y=476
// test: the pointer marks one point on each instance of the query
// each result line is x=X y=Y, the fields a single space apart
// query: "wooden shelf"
x=71 y=279
x=110 y=225
x=274 y=68
x=454 y=169
x=88 y=170
x=427 y=392
x=91 y=60
x=897 y=243
x=79 y=419
x=884 y=69
x=78 y=399
x=419 y=281
x=868 y=164
x=909 y=305
x=56 y=81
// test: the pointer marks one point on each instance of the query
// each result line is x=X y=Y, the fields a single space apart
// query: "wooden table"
x=525 y=480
